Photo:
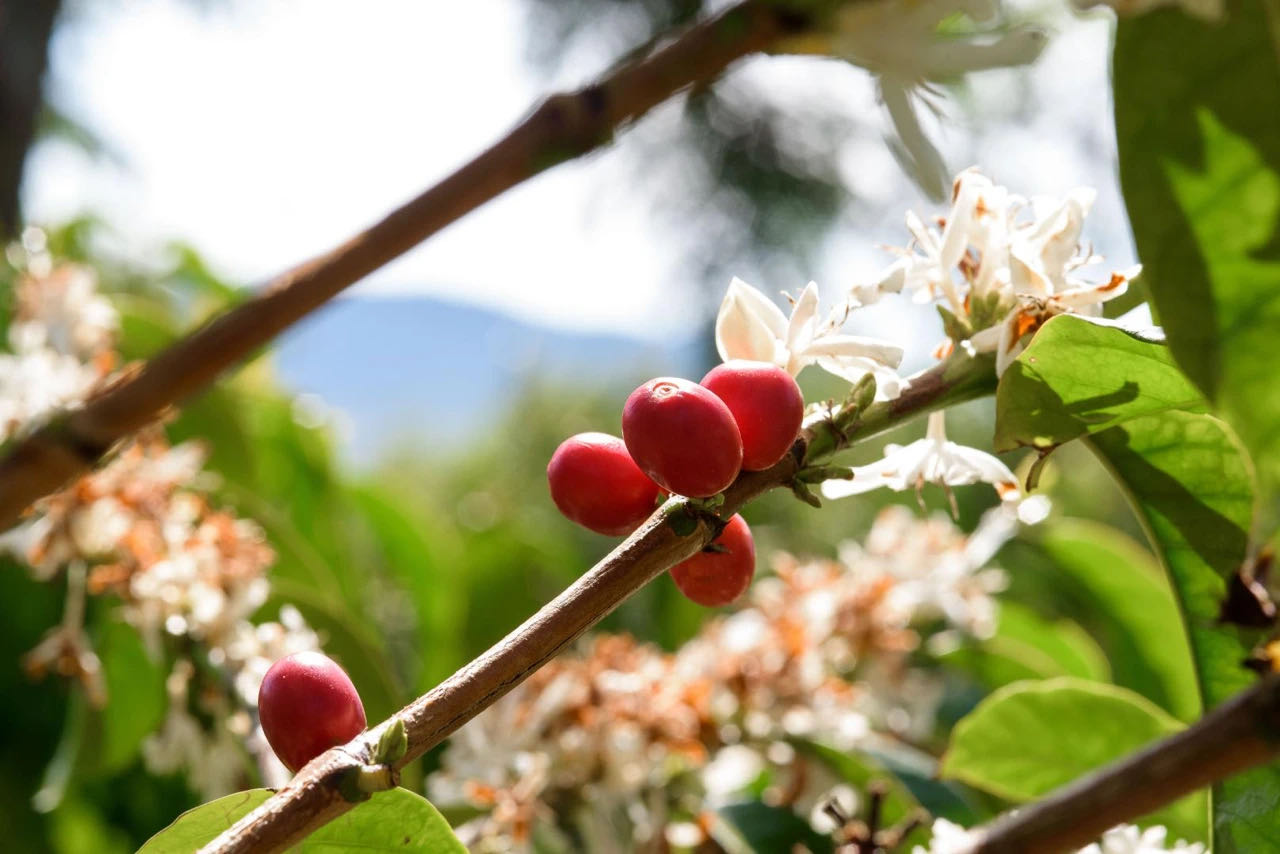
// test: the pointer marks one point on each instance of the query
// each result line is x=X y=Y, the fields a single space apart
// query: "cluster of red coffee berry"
x=692 y=440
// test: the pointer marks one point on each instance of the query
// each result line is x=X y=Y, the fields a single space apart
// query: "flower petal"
x=749 y=325
x=839 y=345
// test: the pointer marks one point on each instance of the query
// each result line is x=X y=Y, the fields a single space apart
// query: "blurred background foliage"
x=410 y=569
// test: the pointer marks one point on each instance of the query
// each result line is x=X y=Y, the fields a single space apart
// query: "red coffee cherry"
x=595 y=483
x=767 y=405
x=682 y=436
x=714 y=578
x=307 y=704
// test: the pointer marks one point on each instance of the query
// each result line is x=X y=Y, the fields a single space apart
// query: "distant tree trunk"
x=25 y=27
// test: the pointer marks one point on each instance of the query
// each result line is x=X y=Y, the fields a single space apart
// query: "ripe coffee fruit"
x=766 y=404
x=714 y=578
x=307 y=704
x=682 y=436
x=595 y=483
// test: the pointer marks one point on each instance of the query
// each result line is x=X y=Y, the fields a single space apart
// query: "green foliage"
x=199 y=826
x=1029 y=646
x=1191 y=484
x=754 y=827
x=1200 y=166
x=1077 y=377
x=395 y=820
x=1031 y=737
x=133 y=677
x=1133 y=611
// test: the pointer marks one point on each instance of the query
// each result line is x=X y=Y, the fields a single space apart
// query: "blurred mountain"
x=424 y=369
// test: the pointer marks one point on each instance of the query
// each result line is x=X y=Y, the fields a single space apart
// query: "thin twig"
x=313 y=797
x=562 y=127
x=1240 y=734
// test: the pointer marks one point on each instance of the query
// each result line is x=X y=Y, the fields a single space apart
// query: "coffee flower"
x=1002 y=265
x=933 y=459
x=750 y=326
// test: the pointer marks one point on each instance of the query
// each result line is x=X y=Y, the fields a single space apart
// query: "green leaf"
x=1078 y=377
x=1127 y=594
x=202 y=825
x=1191 y=485
x=753 y=827
x=859 y=771
x=1031 y=737
x=136 y=699
x=395 y=820
x=1027 y=646
x=1199 y=142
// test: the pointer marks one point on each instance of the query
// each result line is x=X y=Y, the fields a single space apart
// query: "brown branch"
x=562 y=127
x=314 y=796
x=1240 y=734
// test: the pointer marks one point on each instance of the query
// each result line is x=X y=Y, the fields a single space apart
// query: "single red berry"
x=767 y=405
x=595 y=483
x=682 y=436
x=713 y=578
x=307 y=704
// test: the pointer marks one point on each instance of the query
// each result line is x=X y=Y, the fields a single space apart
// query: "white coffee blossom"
x=933 y=459
x=63 y=312
x=750 y=326
x=1002 y=265
x=1127 y=839
x=950 y=838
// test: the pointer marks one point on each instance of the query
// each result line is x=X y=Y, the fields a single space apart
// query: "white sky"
x=265 y=132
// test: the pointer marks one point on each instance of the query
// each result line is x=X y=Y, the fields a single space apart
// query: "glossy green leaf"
x=202 y=825
x=1191 y=485
x=1031 y=737
x=1128 y=595
x=1078 y=377
x=1199 y=142
x=396 y=820
x=754 y=827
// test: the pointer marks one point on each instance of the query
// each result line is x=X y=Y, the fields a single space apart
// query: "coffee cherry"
x=766 y=404
x=595 y=483
x=307 y=704
x=714 y=578
x=682 y=436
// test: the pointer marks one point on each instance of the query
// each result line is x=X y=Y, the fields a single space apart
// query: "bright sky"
x=266 y=132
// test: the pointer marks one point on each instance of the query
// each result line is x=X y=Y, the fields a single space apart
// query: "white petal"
x=749 y=325
x=839 y=346
x=844 y=488
x=969 y=465
x=804 y=322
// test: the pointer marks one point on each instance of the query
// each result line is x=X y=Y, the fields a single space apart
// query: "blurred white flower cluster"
x=1002 y=265
x=61 y=341
x=187 y=575
x=633 y=746
x=949 y=838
